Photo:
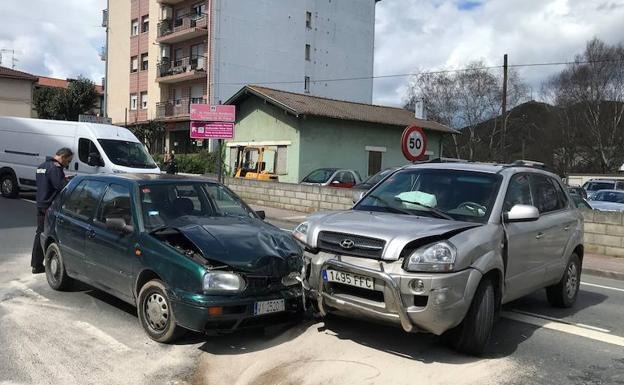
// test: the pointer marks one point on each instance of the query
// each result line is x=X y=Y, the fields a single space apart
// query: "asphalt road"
x=87 y=337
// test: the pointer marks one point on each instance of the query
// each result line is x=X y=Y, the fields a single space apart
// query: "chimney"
x=419 y=109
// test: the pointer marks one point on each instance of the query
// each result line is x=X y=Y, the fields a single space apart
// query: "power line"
x=426 y=73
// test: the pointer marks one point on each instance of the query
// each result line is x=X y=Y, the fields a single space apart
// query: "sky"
x=63 y=38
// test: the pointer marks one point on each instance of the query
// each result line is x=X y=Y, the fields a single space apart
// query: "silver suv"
x=439 y=247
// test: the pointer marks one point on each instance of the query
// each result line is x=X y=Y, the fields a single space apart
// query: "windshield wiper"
x=388 y=206
x=438 y=213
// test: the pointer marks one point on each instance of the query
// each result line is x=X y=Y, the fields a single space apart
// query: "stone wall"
x=290 y=196
x=604 y=233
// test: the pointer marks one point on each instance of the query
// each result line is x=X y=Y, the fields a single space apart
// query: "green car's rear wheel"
x=55 y=268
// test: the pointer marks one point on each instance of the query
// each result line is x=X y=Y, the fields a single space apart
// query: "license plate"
x=267 y=307
x=349 y=279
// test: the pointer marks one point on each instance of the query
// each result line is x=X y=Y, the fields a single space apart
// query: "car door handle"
x=60 y=221
x=539 y=236
x=566 y=228
x=91 y=234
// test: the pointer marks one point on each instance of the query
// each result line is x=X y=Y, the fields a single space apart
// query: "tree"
x=463 y=100
x=78 y=98
x=149 y=133
x=591 y=93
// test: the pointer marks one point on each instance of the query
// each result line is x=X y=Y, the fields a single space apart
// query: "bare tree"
x=463 y=100
x=592 y=93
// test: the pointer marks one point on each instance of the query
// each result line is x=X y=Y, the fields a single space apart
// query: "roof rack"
x=528 y=163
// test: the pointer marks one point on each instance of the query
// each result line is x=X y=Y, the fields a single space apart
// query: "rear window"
x=595 y=186
x=84 y=199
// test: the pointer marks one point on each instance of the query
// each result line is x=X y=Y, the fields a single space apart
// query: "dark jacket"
x=50 y=181
x=171 y=167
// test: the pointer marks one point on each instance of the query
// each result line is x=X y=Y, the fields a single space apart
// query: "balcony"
x=183 y=69
x=178 y=108
x=171 y=2
x=182 y=28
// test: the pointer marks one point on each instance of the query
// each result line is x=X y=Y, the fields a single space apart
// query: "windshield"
x=449 y=194
x=373 y=180
x=163 y=204
x=595 y=186
x=127 y=154
x=321 y=175
x=609 y=196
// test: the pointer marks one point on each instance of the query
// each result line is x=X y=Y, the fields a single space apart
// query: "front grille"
x=262 y=284
x=371 y=295
x=362 y=246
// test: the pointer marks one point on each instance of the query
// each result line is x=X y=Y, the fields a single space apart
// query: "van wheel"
x=472 y=335
x=564 y=293
x=56 y=274
x=8 y=185
x=156 y=314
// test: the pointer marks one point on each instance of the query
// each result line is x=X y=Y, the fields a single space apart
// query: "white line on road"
x=296 y=217
x=561 y=320
x=102 y=336
x=602 y=286
x=566 y=328
x=28 y=200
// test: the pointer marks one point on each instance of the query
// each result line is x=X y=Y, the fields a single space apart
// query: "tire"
x=56 y=274
x=472 y=335
x=564 y=293
x=8 y=185
x=156 y=314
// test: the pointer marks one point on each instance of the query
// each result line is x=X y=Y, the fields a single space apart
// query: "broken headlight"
x=439 y=256
x=221 y=281
x=301 y=232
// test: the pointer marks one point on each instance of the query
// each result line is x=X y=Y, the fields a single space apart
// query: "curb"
x=604 y=273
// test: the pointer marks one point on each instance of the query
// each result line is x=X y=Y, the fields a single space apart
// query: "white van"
x=98 y=148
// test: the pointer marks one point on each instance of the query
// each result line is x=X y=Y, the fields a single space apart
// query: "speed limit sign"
x=413 y=143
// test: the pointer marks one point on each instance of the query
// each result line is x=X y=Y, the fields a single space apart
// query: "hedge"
x=203 y=162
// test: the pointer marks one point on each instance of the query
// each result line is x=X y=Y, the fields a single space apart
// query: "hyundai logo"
x=347 y=244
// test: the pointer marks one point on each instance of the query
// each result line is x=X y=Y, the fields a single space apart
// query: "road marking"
x=561 y=320
x=102 y=336
x=296 y=217
x=28 y=200
x=602 y=286
x=566 y=328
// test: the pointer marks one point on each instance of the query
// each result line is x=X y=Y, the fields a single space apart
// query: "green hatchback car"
x=188 y=253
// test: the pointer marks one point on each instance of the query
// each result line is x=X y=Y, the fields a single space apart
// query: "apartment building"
x=163 y=55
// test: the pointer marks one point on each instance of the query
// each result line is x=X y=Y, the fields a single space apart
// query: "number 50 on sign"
x=413 y=143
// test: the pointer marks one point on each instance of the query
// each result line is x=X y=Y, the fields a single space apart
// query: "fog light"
x=417 y=285
x=217 y=310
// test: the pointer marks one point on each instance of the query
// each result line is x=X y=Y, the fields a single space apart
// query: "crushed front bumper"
x=192 y=311
x=438 y=303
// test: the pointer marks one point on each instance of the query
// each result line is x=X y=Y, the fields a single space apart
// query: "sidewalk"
x=593 y=264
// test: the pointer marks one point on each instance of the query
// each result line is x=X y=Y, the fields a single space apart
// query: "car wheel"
x=564 y=293
x=156 y=314
x=55 y=268
x=472 y=335
x=8 y=186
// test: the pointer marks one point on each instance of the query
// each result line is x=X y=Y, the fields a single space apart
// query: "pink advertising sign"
x=212 y=130
x=208 y=113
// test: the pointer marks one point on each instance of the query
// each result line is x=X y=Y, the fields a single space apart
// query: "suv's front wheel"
x=156 y=314
x=473 y=334
x=564 y=293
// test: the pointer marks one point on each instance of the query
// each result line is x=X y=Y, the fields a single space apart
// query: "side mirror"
x=521 y=213
x=261 y=214
x=357 y=195
x=95 y=160
x=118 y=225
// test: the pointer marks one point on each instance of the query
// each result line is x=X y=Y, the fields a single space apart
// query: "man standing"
x=50 y=181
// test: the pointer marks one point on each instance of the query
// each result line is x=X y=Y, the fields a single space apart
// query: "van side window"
x=546 y=197
x=116 y=204
x=84 y=200
x=518 y=192
x=85 y=148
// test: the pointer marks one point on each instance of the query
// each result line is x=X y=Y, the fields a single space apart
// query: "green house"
x=300 y=133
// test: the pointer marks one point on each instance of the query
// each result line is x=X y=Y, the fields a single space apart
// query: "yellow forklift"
x=251 y=163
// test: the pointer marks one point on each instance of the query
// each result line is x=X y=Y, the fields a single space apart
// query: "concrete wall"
x=338 y=143
x=291 y=196
x=16 y=97
x=604 y=233
x=266 y=43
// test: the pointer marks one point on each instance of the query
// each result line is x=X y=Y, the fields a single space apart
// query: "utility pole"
x=504 y=110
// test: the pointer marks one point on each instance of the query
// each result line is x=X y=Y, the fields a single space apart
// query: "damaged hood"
x=395 y=229
x=245 y=244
